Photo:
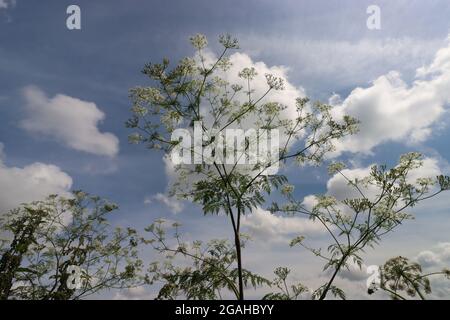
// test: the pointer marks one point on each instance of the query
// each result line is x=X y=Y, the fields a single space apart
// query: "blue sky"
x=325 y=45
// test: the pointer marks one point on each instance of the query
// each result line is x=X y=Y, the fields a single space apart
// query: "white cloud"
x=174 y=205
x=30 y=183
x=269 y=227
x=353 y=272
x=434 y=260
x=338 y=187
x=5 y=4
x=390 y=110
x=287 y=96
x=429 y=169
x=70 y=121
x=428 y=258
x=439 y=256
x=259 y=86
x=170 y=170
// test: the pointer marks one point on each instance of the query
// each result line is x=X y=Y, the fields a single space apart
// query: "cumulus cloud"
x=30 y=183
x=339 y=188
x=287 y=96
x=269 y=227
x=439 y=256
x=172 y=204
x=71 y=121
x=429 y=169
x=434 y=260
x=428 y=258
x=169 y=169
x=259 y=86
x=392 y=110
x=353 y=272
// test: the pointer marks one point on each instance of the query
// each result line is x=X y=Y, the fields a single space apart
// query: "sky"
x=64 y=99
